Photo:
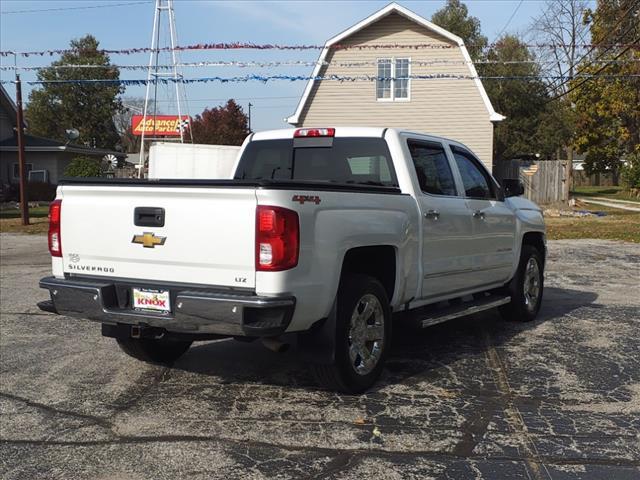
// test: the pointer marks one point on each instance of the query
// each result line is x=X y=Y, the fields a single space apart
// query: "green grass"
x=34 y=212
x=616 y=193
x=619 y=224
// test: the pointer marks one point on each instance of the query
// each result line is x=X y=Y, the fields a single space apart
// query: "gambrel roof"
x=380 y=14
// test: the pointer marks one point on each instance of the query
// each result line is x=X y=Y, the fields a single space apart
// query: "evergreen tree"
x=454 y=17
x=90 y=108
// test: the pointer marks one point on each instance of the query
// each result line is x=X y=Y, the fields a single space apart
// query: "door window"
x=432 y=168
x=475 y=180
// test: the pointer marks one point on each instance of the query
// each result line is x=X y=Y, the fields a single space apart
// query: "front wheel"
x=363 y=334
x=154 y=350
x=526 y=287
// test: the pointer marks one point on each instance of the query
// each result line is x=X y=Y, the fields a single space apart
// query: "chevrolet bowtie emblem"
x=148 y=240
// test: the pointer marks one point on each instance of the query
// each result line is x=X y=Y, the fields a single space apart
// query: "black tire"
x=343 y=374
x=154 y=350
x=522 y=308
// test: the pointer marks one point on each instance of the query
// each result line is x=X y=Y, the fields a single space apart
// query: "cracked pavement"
x=479 y=398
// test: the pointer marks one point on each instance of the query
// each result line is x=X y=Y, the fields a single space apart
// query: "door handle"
x=432 y=214
x=478 y=214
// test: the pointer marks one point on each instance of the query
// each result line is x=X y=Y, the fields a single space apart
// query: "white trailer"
x=186 y=160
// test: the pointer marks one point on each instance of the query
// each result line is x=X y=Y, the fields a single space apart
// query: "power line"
x=293 y=78
x=597 y=74
x=509 y=21
x=269 y=46
x=86 y=7
x=286 y=63
x=596 y=45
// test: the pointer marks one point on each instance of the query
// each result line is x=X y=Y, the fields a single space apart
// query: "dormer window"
x=393 y=82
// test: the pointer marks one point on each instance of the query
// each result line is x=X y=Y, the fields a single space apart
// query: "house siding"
x=443 y=107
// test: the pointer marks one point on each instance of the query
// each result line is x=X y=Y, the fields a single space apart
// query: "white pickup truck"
x=330 y=234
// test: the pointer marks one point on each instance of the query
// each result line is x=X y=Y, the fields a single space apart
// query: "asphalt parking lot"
x=475 y=398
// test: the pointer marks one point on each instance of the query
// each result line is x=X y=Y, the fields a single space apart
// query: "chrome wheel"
x=366 y=334
x=531 y=284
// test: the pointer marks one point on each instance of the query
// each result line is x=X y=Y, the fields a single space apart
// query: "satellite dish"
x=72 y=134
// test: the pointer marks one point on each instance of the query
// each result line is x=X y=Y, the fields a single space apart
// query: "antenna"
x=155 y=71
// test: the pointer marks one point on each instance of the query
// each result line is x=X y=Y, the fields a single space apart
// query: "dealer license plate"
x=148 y=299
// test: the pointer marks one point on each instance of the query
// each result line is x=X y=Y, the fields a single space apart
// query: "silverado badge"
x=148 y=240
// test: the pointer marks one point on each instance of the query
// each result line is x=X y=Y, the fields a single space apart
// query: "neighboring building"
x=455 y=108
x=45 y=159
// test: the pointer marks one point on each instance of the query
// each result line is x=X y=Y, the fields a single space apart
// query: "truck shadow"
x=417 y=355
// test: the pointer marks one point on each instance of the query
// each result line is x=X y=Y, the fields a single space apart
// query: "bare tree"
x=130 y=106
x=561 y=28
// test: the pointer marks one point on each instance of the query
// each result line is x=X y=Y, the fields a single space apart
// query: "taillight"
x=277 y=239
x=314 y=132
x=55 y=240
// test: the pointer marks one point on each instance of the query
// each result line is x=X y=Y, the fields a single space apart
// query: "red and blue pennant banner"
x=294 y=63
x=333 y=78
x=270 y=46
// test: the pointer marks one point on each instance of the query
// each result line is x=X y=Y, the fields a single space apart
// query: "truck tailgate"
x=208 y=237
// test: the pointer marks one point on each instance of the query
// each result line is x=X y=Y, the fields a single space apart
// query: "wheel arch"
x=377 y=261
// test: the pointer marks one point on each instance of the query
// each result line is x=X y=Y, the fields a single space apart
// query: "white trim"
x=392 y=8
x=375 y=88
x=392 y=93
x=493 y=115
x=408 y=79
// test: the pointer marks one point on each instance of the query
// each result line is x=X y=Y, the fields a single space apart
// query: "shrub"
x=631 y=171
x=83 y=167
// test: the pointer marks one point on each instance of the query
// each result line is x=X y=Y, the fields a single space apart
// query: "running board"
x=464 y=309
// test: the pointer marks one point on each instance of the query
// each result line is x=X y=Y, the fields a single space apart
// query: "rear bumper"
x=194 y=311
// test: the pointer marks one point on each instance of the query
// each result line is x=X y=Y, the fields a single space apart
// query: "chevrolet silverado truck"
x=326 y=236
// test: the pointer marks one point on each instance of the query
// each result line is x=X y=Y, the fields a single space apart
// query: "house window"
x=16 y=170
x=393 y=82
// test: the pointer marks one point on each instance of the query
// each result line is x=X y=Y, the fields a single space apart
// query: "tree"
x=122 y=120
x=454 y=17
x=226 y=125
x=531 y=126
x=90 y=108
x=607 y=113
x=562 y=29
x=83 y=167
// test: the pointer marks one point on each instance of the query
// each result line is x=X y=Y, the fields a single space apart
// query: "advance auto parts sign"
x=160 y=125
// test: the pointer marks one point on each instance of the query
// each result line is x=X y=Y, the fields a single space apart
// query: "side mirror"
x=513 y=187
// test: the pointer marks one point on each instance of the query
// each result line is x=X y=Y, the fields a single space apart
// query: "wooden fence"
x=581 y=179
x=544 y=181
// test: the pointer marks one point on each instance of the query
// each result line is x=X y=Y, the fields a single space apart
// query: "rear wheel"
x=154 y=350
x=526 y=287
x=363 y=331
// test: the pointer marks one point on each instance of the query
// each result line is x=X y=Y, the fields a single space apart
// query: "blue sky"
x=203 y=21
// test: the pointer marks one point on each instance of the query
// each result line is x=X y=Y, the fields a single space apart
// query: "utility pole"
x=250 y=105
x=24 y=203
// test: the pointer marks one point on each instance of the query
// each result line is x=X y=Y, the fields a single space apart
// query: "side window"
x=432 y=168
x=474 y=178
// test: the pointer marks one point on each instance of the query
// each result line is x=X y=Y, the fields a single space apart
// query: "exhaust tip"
x=275 y=345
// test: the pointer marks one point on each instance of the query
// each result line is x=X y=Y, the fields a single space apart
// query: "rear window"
x=348 y=160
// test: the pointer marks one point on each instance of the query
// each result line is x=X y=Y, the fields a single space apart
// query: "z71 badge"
x=301 y=199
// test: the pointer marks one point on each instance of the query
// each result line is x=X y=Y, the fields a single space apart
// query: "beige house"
x=397 y=45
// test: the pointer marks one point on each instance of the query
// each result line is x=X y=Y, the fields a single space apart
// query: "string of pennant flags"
x=290 y=63
x=293 y=78
x=270 y=46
